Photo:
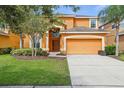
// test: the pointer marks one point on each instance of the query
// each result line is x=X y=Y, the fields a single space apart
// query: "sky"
x=91 y=10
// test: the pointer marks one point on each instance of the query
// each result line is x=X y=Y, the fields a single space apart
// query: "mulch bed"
x=61 y=54
x=30 y=57
x=37 y=57
x=58 y=58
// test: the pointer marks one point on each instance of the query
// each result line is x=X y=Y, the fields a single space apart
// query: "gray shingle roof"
x=121 y=33
x=82 y=29
x=3 y=33
x=72 y=15
x=84 y=16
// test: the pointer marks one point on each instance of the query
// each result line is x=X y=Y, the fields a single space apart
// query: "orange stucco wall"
x=15 y=40
x=82 y=22
x=44 y=41
x=26 y=42
x=4 y=41
x=11 y=40
x=69 y=21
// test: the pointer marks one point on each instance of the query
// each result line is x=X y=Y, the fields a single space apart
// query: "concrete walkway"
x=95 y=70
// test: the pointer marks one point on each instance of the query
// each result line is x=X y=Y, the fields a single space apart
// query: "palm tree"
x=113 y=14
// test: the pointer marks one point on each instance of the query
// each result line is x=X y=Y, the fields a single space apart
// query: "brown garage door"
x=84 y=46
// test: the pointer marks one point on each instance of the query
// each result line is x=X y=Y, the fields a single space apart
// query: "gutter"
x=85 y=32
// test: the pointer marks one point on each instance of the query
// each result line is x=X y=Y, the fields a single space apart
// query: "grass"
x=121 y=57
x=33 y=72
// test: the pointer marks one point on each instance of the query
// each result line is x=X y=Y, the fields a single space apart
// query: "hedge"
x=5 y=51
x=110 y=50
x=28 y=52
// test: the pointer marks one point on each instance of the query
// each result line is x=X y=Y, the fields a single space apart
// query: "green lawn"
x=121 y=57
x=33 y=72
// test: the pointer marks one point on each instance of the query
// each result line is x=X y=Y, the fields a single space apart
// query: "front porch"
x=56 y=55
x=52 y=41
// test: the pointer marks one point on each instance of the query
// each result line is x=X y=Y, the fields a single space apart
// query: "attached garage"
x=83 y=46
x=82 y=40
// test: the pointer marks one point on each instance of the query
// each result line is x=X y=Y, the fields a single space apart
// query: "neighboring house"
x=79 y=35
x=111 y=37
x=8 y=40
x=121 y=41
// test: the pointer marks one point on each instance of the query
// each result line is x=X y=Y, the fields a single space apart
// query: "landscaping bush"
x=24 y=52
x=62 y=53
x=28 y=52
x=101 y=52
x=5 y=51
x=110 y=50
x=44 y=53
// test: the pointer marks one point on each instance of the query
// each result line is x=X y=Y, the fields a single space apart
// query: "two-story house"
x=79 y=35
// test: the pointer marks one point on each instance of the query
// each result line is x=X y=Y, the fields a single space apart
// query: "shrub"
x=39 y=51
x=5 y=50
x=62 y=53
x=23 y=52
x=101 y=52
x=110 y=50
x=28 y=52
x=44 y=53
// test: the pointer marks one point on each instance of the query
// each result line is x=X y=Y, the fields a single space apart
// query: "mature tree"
x=113 y=14
x=14 y=15
x=36 y=26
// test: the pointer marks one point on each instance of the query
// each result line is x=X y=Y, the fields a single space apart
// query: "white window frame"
x=90 y=22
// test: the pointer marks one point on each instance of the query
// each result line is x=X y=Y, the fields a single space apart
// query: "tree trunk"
x=35 y=49
x=36 y=45
x=117 y=40
x=32 y=46
x=20 y=39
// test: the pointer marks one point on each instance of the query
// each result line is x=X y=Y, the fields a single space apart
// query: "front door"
x=54 y=41
x=55 y=45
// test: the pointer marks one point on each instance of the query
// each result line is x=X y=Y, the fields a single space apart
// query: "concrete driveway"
x=95 y=70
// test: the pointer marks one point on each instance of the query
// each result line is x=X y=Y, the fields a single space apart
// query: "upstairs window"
x=93 y=23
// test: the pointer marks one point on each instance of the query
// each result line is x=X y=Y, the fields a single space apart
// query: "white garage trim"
x=84 y=37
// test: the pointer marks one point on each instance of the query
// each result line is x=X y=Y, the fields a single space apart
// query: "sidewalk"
x=35 y=86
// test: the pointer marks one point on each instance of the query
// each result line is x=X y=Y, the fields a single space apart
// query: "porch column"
x=30 y=43
x=47 y=41
x=41 y=42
